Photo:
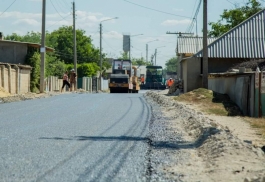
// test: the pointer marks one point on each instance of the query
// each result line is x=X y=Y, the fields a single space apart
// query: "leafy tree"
x=62 y=41
x=53 y=66
x=87 y=69
x=33 y=59
x=140 y=61
x=124 y=55
x=33 y=37
x=171 y=65
x=233 y=17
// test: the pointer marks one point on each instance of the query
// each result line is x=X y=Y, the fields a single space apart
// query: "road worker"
x=142 y=80
x=170 y=82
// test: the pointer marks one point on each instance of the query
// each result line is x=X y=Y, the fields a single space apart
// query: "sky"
x=151 y=18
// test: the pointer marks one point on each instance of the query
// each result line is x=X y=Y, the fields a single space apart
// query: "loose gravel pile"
x=187 y=146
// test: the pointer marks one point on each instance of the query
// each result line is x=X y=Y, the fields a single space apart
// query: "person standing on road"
x=73 y=79
x=65 y=80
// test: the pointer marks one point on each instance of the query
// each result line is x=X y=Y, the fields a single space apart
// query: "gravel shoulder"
x=204 y=148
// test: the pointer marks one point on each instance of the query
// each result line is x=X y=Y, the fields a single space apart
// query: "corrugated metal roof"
x=243 y=41
x=190 y=45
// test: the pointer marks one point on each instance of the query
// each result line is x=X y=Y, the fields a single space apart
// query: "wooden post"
x=260 y=110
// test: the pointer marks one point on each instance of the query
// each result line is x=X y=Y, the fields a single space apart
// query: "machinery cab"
x=120 y=66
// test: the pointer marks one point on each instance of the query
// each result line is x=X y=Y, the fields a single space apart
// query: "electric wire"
x=156 y=10
x=56 y=9
x=64 y=18
x=8 y=7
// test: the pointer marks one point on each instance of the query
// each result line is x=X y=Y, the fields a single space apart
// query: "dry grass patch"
x=258 y=123
x=210 y=102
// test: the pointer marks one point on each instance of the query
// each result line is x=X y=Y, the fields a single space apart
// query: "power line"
x=8 y=7
x=156 y=9
x=64 y=18
x=56 y=9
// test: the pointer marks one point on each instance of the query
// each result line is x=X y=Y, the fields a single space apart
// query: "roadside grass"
x=257 y=123
x=219 y=104
x=210 y=102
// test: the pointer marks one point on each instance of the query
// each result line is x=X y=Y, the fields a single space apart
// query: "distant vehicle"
x=154 y=78
x=124 y=77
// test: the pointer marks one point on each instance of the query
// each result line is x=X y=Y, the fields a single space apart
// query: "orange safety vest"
x=170 y=83
x=142 y=79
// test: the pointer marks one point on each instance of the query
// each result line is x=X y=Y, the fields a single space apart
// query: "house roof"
x=190 y=45
x=246 y=40
x=48 y=49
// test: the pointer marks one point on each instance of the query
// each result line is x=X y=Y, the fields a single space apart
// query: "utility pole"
x=155 y=56
x=146 y=54
x=205 y=47
x=74 y=32
x=100 y=52
x=42 y=49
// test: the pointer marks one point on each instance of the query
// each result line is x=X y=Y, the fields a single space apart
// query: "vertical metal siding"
x=244 y=41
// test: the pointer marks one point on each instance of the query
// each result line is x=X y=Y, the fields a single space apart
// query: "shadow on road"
x=172 y=145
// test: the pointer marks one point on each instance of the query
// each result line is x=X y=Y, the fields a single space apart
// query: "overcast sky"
x=152 y=18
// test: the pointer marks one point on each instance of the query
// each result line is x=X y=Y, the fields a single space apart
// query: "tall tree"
x=171 y=65
x=62 y=41
x=231 y=18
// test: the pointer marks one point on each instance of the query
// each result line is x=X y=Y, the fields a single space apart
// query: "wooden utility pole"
x=205 y=47
x=74 y=33
x=42 y=49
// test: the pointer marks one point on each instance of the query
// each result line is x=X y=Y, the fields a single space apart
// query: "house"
x=244 y=42
x=187 y=47
x=14 y=73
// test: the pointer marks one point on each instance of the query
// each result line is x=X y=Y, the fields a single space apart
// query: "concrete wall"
x=13 y=53
x=14 y=79
x=191 y=74
x=238 y=88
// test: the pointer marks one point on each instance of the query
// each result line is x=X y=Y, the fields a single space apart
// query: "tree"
x=233 y=17
x=140 y=61
x=62 y=41
x=87 y=69
x=171 y=65
x=33 y=37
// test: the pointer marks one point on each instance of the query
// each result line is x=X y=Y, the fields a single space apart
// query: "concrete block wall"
x=15 y=80
x=24 y=80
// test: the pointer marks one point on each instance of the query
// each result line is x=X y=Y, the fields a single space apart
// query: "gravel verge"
x=188 y=146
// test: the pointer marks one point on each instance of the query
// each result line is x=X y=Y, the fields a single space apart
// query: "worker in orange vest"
x=142 y=80
x=170 y=82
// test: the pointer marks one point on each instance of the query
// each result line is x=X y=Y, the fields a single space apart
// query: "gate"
x=94 y=84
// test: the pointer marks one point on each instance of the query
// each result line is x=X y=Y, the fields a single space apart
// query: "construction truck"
x=154 y=78
x=124 y=77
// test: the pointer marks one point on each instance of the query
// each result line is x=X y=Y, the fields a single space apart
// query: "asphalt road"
x=75 y=137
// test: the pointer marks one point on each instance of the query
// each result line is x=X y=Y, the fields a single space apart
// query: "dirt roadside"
x=223 y=148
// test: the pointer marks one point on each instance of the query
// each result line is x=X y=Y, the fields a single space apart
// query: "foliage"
x=53 y=66
x=33 y=37
x=140 y=61
x=62 y=41
x=33 y=59
x=124 y=55
x=172 y=65
x=233 y=17
x=87 y=69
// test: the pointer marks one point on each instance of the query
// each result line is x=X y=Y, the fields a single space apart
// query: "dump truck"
x=124 y=77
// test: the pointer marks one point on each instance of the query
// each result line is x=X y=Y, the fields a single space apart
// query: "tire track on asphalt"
x=109 y=157
x=77 y=152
